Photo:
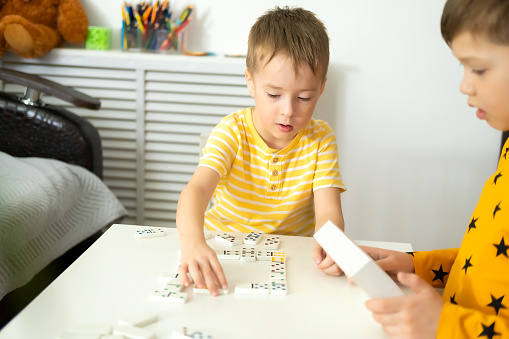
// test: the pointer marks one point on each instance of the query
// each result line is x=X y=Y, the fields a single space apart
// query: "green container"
x=98 y=38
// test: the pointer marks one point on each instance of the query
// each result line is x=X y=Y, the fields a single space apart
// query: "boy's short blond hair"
x=486 y=18
x=294 y=32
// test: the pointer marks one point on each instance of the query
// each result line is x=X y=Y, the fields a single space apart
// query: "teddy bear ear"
x=72 y=21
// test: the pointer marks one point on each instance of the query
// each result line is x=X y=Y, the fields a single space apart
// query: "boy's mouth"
x=285 y=128
x=480 y=114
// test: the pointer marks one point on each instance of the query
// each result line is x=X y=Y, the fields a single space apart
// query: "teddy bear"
x=32 y=28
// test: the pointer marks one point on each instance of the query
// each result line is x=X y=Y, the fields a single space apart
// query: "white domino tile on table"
x=172 y=278
x=228 y=254
x=356 y=264
x=252 y=288
x=266 y=255
x=76 y=335
x=271 y=243
x=248 y=254
x=176 y=297
x=134 y=332
x=253 y=238
x=277 y=267
x=279 y=259
x=139 y=319
x=113 y=336
x=278 y=288
x=228 y=239
x=174 y=287
x=150 y=233
x=101 y=329
x=187 y=333
x=277 y=272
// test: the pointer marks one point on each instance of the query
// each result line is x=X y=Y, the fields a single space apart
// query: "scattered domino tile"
x=278 y=259
x=248 y=254
x=112 y=336
x=277 y=272
x=172 y=278
x=228 y=239
x=177 y=297
x=186 y=334
x=277 y=277
x=228 y=254
x=278 y=288
x=205 y=290
x=76 y=335
x=252 y=288
x=271 y=243
x=139 y=319
x=174 y=287
x=267 y=255
x=278 y=267
x=150 y=233
x=100 y=329
x=253 y=238
x=134 y=332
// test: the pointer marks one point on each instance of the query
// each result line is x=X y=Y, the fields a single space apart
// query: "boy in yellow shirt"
x=475 y=302
x=271 y=168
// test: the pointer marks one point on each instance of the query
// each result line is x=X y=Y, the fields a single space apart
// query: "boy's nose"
x=288 y=109
x=466 y=86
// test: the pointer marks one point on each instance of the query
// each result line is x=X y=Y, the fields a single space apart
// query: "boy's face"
x=284 y=101
x=485 y=78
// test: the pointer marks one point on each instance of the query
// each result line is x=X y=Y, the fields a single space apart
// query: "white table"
x=116 y=276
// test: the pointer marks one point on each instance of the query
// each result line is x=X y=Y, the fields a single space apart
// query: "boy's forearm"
x=328 y=207
x=335 y=218
x=190 y=214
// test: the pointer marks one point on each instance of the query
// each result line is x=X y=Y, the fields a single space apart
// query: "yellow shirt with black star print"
x=476 y=276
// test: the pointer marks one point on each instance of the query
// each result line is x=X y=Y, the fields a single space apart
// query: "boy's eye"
x=273 y=96
x=478 y=71
x=304 y=99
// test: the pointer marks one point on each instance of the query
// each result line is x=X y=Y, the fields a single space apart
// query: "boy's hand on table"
x=323 y=261
x=410 y=317
x=201 y=262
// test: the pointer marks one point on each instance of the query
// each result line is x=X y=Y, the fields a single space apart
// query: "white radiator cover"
x=154 y=108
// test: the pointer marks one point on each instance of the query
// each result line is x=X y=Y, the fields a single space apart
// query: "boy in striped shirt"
x=271 y=168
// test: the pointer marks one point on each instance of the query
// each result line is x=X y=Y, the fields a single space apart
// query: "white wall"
x=413 y=154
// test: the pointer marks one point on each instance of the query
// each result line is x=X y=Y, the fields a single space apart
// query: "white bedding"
x=46 y=208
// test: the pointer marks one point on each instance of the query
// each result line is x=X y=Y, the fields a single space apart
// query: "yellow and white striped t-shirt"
x=264 y=189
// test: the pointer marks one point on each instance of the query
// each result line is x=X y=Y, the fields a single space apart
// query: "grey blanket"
x=46 y=208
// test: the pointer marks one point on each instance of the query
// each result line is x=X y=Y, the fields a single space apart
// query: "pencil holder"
x=132 y=39
x=163 y=40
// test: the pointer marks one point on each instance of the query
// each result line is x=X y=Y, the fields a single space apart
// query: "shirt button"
x=275 y=159
x=274 y=173
x=273 y=187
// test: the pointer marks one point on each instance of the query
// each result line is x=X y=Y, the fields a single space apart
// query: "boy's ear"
x=323 y=85
x=249 y=82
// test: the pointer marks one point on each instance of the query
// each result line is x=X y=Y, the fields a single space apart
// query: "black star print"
x=467 y=265
x=501 y=248
x=440 y=274
x=411 y=253
x=472 y=224
x=496 y=303
x=506 y=150
x=453 y=299
x=497 y=177
x=497 y=208
x=488 y=331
